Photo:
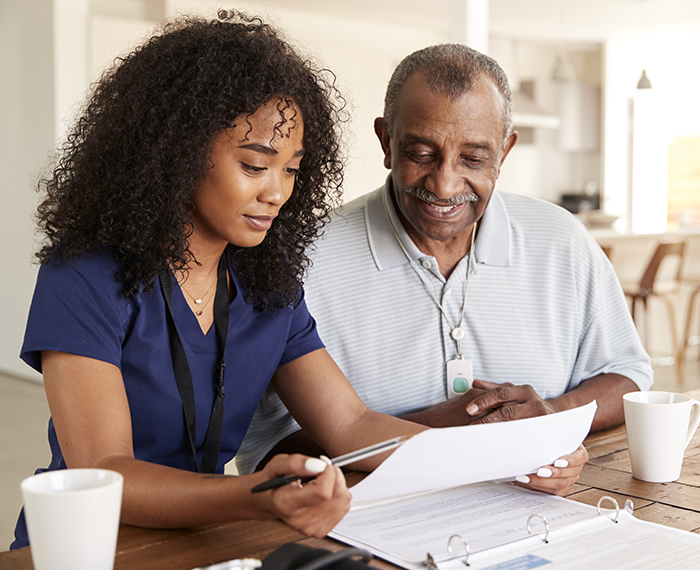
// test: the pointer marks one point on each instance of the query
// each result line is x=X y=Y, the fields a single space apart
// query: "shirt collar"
x=493 y=244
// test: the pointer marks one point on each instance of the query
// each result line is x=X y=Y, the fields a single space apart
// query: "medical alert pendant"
x=457 y=333
x=459 y=377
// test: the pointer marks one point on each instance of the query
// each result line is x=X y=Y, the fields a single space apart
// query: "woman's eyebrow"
x=257 y=147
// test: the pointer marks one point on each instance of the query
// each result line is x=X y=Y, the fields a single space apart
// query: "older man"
x=447 y=302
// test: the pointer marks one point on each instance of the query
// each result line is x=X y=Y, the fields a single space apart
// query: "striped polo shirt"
x=543 y=307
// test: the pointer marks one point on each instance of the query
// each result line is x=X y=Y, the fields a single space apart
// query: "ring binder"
x=431 y=561
x=614 y=502
x=466 y=547
x=546 y=527
x=498 y=526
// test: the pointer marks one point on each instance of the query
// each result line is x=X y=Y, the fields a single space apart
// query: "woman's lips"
x=261 y=223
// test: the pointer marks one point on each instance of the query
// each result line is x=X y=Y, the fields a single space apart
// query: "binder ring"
x=466 y=547
x=614 y=502
x=546 y=527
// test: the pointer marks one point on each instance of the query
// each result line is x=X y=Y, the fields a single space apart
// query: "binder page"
x=486 y=514
x=631 y=544
x=440 y=458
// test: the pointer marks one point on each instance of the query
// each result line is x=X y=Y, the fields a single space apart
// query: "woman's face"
x=251 y=175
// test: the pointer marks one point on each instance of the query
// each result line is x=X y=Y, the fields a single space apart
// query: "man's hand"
x=505 y=402
x=450 y=412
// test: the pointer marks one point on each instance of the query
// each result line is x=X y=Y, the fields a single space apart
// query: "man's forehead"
x=479 y=108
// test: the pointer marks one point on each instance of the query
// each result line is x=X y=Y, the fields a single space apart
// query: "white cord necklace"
x=456 y=332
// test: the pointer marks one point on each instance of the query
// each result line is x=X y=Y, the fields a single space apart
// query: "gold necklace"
x=199 y=301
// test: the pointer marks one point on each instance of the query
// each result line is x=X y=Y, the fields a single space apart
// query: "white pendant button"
x=198 y=301
x=457 y=333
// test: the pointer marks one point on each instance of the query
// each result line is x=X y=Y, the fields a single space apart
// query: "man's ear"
x=382 y=133
x=510 y=143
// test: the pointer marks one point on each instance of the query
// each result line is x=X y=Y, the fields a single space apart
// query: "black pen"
x=339 y=461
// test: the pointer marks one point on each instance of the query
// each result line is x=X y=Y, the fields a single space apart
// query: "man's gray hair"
x=451 y=69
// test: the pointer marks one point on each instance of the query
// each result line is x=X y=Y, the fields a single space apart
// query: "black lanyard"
x=183 y=375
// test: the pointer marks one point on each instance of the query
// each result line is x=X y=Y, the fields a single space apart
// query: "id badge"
x=459 y=377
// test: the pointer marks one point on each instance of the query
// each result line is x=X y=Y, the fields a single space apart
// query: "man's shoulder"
x=351 y=211
x=349 y=220
x=539 y=214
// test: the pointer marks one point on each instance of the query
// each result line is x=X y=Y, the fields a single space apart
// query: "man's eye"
x=474 y=161
x=419 y=156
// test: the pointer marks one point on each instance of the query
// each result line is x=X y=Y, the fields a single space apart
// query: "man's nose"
x=444 y=181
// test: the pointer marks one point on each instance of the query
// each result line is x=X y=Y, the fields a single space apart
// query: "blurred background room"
x=605 y=101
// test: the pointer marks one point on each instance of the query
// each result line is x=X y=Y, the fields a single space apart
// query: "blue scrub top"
x=79 y=308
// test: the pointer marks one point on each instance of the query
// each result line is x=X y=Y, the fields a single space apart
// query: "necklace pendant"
x=199 y=313
x=198 y=301
x=457 y=333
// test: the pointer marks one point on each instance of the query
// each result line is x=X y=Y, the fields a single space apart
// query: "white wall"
x=27 y=124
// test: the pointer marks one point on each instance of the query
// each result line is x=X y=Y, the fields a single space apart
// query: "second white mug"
x=660 y=426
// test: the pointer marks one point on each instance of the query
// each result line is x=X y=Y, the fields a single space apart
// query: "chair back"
x=664 y=252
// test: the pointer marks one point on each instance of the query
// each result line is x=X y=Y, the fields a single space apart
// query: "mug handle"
x=694 y=420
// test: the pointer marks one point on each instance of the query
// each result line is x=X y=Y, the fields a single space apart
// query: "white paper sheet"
x=449 y=457
x=493 y=519
x=488 y=514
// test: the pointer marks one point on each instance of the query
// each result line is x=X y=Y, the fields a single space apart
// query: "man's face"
x=445 y=157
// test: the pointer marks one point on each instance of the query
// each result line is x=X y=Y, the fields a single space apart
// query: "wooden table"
x=607 y=472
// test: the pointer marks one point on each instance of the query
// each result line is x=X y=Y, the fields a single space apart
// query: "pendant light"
x=644 y=82
x=644 y=7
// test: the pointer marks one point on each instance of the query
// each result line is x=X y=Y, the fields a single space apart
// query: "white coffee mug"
x=660 y=426
x=73 y=518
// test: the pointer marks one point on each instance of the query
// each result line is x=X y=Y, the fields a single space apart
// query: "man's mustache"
x=431 y=198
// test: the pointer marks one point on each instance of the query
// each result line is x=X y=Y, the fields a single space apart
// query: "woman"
x=176 y=224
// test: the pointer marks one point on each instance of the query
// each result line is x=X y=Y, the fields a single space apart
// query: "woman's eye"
x=251 y=168
x=292 y=171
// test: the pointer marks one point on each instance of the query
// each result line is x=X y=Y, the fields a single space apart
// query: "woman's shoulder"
x=91 y=272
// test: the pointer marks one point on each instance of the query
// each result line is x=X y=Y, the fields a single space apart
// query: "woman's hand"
x=557 y=479
x=315 y=507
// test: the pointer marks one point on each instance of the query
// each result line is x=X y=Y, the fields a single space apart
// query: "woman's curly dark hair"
x=125 y=176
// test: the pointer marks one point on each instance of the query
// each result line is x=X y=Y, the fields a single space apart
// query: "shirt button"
x=426 y=264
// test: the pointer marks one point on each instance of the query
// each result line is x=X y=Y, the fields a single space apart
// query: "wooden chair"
x=689 y=340
x=652 y=285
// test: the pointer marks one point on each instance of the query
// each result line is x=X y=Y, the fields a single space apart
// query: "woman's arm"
x=90 y=411
x=327 y=407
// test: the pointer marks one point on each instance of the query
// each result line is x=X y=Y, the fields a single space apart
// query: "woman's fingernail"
x=522 y=479
x=472 y=409
x=544 y=472
x=561 y=463
x=315 y=465
x=327 y=460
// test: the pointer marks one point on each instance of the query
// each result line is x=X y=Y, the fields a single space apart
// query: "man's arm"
x=504 y=402
x=497 y=403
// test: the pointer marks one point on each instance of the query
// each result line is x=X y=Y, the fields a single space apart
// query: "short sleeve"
x=303 y=336
x=75 y=309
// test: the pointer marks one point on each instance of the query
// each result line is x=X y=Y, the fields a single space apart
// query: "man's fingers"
x=494 y=397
